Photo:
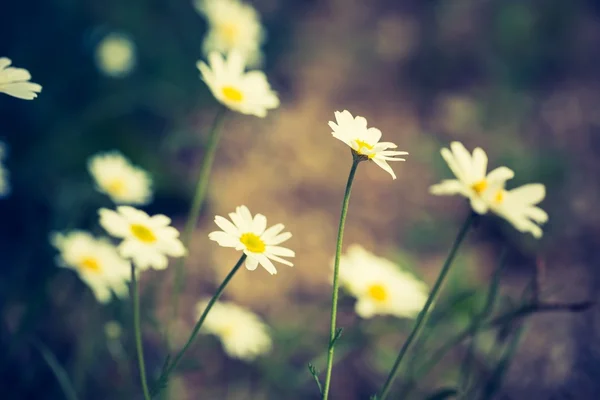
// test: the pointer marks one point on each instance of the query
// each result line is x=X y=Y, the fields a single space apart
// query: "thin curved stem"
x=423 y=315
x=169 y=369
x=138 y=332
x=333 y=334
x=194 y=213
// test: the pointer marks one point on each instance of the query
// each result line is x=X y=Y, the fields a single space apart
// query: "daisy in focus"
x=380 y=286
x=233 y=25
x=242 y=333
x=4 y=184
x=15 y=81
x=364 y=141
x=115 y=55
x=250 y=235
x=122 y=182
x=518 y=207
x=244 y=92
x=472 y=179
x=488 y=193
x=96 y=261
x=146 y=240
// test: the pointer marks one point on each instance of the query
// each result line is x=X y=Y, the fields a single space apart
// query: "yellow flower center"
x=377 y=292
x=116 y=187
x=90 y=264
x=142 y=233
x=499 y=197
x=253 y=243
x=230 y=32
x=362 y=145
x=232 y=94
x=479 y=187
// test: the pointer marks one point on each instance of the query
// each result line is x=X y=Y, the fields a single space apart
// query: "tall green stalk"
x=169 y=369
x=423 y=315
x=333 y=334
x=138 y=332
x=194 y=213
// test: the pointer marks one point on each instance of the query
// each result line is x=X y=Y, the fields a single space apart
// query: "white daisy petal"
x=226 y=225
x=15 y=81
x=251 y=263
x=267 y=264
x=278 y=239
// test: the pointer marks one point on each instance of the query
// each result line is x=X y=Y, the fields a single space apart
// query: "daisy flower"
x=518 y=206
x=364 y=141
x=96 y=261
x=15 y=81
x=122 y=182
x=115 y=55
x=251 y=236
x=4 y=184
x=472 y=180
x=146 y=240
x=233 y=25
x=380 y=286
x=244 y=92
x=242 y=333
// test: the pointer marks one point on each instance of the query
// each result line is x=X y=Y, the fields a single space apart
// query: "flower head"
x=233 y=25
x=518 y=206
x=472 y=180
x=487 y=192
x=96 y=261
x=15 y=81
x=364 y=141
x=251 y=236
x=146 y=240
x=115 y=55
x=123 y=182
x=4 y=184
x=241 y=332
x=244 y=92
x=380 y=286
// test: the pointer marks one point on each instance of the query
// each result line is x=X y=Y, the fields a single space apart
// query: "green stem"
x=194 y=213
x=422 y=317
x=336 y=271
x=213 y=300
x=59 y=372
x=138 y=332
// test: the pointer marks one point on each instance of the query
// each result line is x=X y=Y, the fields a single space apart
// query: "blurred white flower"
x=96 y=261
x=518 y=206
x=242 y=333
x=115 y=176
x=251 y=236
x=233 y=25
x=146 y=240
x=244 y=92
x=471 y=179
x=4 y=184
x=115 y=55
x=380 y=286
x=15 y=81
x=364 y=141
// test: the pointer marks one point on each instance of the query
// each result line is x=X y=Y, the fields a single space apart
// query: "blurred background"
x=520 y=78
